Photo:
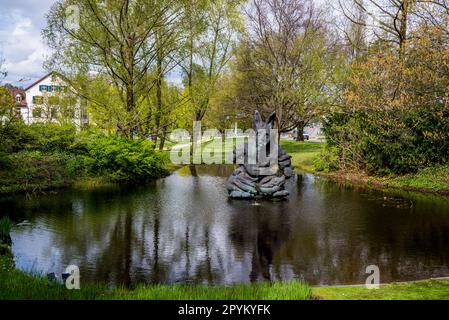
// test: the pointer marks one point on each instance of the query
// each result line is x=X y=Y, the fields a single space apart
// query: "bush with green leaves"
x=121 y=159
x=53 y=137
x=36 y=171
x=394 y=115
x=389 y=141
x=42 y=156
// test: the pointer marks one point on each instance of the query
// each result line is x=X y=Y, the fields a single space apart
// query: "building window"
x=37 y=113
x=18 y=98
x=43 y=88
x=38 y=100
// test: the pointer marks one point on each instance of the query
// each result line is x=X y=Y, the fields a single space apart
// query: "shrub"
x=35 y=170
x=52 y=137
x=395 y=116
x=5 y=229
x=389 y=141
x=121 y=159
x=42 y=156
x=46 y=137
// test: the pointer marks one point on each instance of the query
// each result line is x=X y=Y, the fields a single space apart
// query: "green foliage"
x=45 y=137
x=435 y=179
x=6 y=105
x=52 y=137
x=36 y=171
x=37 y=112
x=389 y=141
x=123 y=159
x=327 y=160
x=42 y=156
x=5 y=229
x=395 y=116
x=15 y=284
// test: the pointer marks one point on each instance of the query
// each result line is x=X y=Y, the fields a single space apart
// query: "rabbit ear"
x=258 y=119
x=271 y=119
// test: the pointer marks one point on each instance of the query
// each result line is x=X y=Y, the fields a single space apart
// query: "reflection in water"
x=184 y=229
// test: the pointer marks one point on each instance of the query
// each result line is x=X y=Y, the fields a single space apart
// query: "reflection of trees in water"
x=150 y=237
x=211 y=170
x=339 y=232
x=185 y=230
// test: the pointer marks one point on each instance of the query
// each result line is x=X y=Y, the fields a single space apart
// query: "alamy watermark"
x=373 y=280
x=70 y=278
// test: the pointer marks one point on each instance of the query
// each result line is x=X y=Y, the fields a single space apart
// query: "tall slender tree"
x=118 y=40
x=212 y=29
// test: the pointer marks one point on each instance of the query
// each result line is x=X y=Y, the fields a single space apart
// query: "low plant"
x=5 y=230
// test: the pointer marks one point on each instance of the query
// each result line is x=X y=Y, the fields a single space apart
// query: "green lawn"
x=427 y=179
x=419 y=290
x=15 y=284
x=303 y=154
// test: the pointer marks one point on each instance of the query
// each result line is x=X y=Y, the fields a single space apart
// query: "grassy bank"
x=303 y=154
x=15 y=284
x=430 y=180
x=427 y=180
x=437 y=289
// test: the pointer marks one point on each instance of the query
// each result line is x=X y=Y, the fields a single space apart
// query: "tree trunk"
x=404 y=28
x=159 y=90
x=300 y=132
x=162 y=142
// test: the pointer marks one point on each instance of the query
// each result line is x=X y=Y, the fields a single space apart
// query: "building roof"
x=41 y=79
x=14 y=92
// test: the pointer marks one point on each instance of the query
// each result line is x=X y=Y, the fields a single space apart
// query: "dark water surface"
x=184 y=229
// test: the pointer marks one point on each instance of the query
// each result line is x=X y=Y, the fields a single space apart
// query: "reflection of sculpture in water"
x=262 y=234
x=247 y=181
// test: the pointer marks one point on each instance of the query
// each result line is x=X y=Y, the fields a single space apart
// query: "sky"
x=21 y=45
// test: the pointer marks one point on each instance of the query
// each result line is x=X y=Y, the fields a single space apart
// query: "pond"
x=184 y=229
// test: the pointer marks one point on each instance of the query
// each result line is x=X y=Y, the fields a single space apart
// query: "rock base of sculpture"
x=246 y=183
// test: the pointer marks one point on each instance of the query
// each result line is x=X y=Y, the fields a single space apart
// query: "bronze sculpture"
x=247 y=182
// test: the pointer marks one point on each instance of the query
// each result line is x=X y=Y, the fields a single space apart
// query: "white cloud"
x=20 y=39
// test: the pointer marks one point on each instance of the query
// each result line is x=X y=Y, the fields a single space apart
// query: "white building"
x=48 y=100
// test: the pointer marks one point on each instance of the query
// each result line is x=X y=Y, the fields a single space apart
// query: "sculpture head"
x=261 y=125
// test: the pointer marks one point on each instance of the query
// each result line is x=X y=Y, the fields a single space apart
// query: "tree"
x=390 y=20
x=120 y=42
x=285 y=63
x=62 y=106
x=7 y=106
x=385 y=129
x=354 y=30
x=211 y=31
